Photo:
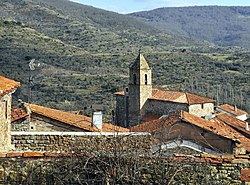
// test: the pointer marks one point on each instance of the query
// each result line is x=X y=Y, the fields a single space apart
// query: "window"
x=202 y=106
x=134 y=78
x=6 y=109
x=146 y=79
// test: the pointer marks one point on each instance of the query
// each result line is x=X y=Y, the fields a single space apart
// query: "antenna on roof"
x=32 y=66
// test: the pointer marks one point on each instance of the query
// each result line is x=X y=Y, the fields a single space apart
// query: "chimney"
x=97 y=119
x=235 y=108
x=247 y=128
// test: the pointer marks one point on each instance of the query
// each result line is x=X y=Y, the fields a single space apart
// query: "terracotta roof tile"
x=175 y=96
x=234 y=122
x=157 y=124
x=230 y=109
x=218 y=127
x=214 y=125
x=76 y=120
x=18 y=113
x=179 y=97
x=149 y=117
x=7 y=86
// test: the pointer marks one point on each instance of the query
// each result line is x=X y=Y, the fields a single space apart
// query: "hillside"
x=224 y=26
x=90 y=28
x=84 y=61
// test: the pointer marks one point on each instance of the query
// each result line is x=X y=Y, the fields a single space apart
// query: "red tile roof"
x=215 y=126
x=76 y=120
x=230 y=109
x=18 y=113
x=7 y=86
x=177 y=97
x=234 y=122
x=157 y=124
x=149 y=117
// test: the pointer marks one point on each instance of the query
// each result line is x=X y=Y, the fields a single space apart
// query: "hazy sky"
x=128 y=6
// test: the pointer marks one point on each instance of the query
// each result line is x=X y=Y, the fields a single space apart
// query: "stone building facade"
x=7 y=87
x=140 y=100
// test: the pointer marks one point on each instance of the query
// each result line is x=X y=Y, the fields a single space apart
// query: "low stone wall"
x=79 y=142
x=65 y=168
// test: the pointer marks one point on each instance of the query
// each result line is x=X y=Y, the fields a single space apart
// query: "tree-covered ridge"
x=84 y=63
x=225 y=26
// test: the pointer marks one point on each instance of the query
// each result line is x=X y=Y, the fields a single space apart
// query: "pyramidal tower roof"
x=140 y=63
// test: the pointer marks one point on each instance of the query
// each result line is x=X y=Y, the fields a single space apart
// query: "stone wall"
x=5 y=120
x=120 y=114
x=80 y=141
x=21 y=125
x=162 y=107
x=64 y=168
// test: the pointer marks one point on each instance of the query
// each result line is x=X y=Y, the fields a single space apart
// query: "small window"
x=134 y=78
x=202 y=106
x=146 y=79
x=31 y=128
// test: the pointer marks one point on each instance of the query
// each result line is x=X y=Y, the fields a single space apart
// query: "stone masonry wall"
x=80 y=142
x=64 y=168
x=21 y=125
x=5 y=120
x=162 y=107
x=120 y=110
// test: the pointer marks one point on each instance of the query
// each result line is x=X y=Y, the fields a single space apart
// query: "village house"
x=36 y=118
x=233 y=111
x=140 y=102
x=217 y=135
x=7 y=87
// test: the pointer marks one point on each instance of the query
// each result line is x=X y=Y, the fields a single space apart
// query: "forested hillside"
x=85 y=53
x=225 y=26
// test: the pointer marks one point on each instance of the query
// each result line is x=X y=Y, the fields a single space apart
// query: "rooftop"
x=215 y=126
x=177 y=97
x=231 y=109
x=234 y=122
x=79 y=121
x=18 y=113
x=7 y=86
x=139 y=63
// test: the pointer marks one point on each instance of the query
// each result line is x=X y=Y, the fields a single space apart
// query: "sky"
x=129 y=6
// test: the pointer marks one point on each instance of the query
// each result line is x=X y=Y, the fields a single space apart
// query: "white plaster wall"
x=196 y=109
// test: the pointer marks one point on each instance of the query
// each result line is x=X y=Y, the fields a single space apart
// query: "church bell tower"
x=140 y=88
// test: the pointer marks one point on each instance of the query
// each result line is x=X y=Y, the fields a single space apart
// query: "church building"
x=140 y=102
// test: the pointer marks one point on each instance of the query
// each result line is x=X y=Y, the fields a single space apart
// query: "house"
x=7 y=87
x=209 y=136
x=141 y=102
x=233 y=111
x=44 y=119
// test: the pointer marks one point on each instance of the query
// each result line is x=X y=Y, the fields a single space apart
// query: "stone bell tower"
x=140 y=88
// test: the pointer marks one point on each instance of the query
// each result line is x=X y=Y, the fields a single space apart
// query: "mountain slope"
x=90 y=28
x=85 y=55
x=225 y=26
